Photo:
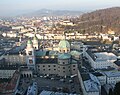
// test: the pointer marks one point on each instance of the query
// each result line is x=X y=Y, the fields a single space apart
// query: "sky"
x=11 y=7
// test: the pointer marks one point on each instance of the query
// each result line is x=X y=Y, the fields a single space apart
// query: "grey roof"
x=97 y=74
x=46 y=60
x=53 y=53
x=16 y=50
x=90 y=86
x=64 y=56
x=91 y=83
x=117 y=62
x=54 y=93
x=112 y=74
x=40 y=53
x=85 y=77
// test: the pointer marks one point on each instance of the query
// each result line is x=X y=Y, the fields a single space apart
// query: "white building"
x=101 y=77
x=32 y=89
x=101 y=60
x=90 y=84
x=112 y=77
x=54 y=93
x=7 y=71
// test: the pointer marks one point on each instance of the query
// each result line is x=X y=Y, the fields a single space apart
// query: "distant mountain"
x=47 y=12
x=100 y=20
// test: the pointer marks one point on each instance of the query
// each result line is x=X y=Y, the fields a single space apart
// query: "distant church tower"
x=30 y=55
x=35 y=42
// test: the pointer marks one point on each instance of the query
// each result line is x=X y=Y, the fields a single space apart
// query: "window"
x=73 y=65
x=54 y=65
x=49 y=69
x=43 y=65
x=67 y=50
x=63 y=62
x=30 y=61
x=63 y=67
x=48 y=65
x=73 y=69
x=54 y=69
x=43 y=69
x=30 y=52
x=63 y=71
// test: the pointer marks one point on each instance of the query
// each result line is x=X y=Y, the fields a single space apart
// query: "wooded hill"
x=99 y=21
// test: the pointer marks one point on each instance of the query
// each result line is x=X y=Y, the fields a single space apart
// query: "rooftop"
x=54 y=93
x=97 y=74
x=40 y=53
x=32 y=89
x=112 y=73
x=46 y=60
x=75 y=53
x=16 y=50
x=104 y=56
x=91 y=82
x=64 y=56
x=90 y=86
x=117 y=62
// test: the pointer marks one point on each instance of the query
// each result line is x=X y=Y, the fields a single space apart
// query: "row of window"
x=53 y=66
x=54 y=70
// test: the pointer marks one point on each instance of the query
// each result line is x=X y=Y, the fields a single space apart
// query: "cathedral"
x=62 y=61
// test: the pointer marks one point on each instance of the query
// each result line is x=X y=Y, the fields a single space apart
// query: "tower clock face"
x=30 y=61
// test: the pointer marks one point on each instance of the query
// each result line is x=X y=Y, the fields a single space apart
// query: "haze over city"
x=15 y=7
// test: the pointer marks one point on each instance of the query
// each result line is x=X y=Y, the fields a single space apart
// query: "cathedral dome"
x=64 y=44
x=64 y=56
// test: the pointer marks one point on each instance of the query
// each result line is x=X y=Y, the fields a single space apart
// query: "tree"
x=117 y=89
x=54 y=89
x=110 y=92
x=65 y=90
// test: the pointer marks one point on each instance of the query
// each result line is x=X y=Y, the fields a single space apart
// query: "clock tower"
x=30 y=55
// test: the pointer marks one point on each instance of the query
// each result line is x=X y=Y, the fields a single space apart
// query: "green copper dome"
x=29 y=42
x=74 y=53
x=64 y=44
x=64 y=56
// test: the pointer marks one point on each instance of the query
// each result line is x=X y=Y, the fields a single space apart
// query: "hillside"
x=99 y=21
